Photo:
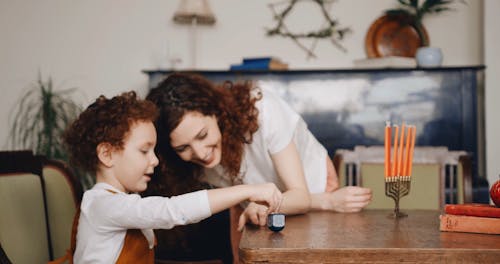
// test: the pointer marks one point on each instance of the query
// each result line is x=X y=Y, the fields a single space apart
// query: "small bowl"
x=428 y=57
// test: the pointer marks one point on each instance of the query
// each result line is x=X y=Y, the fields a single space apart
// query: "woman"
x=240 y=133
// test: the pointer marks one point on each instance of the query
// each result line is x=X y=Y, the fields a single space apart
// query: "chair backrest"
x=23 y=226
x=439 y=176
x=38 y=199
x=3 y=257
x=63 y=194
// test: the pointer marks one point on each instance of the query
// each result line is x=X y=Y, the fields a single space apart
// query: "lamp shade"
x=190 y=10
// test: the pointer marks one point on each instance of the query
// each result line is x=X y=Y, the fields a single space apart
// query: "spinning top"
x=276 y=221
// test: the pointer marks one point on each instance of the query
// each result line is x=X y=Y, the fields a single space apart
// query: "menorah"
x=398 y=169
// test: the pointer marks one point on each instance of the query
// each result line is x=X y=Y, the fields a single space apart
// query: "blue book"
x=252 y=66
x=260 y=63
x=258 y=60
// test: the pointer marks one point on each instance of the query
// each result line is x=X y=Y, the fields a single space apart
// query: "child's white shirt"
x=105 y=218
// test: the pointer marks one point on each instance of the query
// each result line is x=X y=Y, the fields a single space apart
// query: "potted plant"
x=413 y=11
x=40 y=118
x=400 y=32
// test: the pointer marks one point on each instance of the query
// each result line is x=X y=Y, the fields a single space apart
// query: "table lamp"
x=194 y=13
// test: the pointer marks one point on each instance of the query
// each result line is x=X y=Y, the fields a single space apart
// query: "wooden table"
x=368 y=236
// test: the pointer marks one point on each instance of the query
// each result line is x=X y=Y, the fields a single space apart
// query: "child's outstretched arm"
x=224 y=198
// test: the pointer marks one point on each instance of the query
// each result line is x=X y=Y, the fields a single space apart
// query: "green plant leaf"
x=398 y=12
x=405 y=2
x=41 y=117
x=418 y=10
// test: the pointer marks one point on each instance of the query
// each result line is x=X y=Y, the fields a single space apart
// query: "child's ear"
x=104 y=153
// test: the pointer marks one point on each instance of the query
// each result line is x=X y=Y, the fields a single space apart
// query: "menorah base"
x=396 y=188
x=397 y=214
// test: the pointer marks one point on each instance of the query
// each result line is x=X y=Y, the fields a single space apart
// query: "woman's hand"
x=347 y=199
x=254 y=213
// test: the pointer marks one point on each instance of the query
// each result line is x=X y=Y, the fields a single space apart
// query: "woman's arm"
x=296 y=198
x=347 y=199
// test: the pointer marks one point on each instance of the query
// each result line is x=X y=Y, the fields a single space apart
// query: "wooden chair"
x=439 y=176
x=23 y=226
x=63 y=194
x=38 y=199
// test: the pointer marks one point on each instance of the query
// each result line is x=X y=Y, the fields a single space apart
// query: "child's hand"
x=254 y=213
x=268 y=194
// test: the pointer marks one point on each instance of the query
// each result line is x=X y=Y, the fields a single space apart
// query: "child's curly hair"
x=105 y=120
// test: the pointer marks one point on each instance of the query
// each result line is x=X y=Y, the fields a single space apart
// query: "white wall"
x=492 y=93
x=101 y=46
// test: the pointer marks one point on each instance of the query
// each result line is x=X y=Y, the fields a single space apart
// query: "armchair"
x=38 y=198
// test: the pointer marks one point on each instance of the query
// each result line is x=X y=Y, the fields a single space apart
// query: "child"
x=115 y=139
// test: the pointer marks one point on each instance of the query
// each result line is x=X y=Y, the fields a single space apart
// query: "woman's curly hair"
x=232 y=104
x=105 y=120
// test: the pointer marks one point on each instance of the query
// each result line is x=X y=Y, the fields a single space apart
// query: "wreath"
x=329 y=30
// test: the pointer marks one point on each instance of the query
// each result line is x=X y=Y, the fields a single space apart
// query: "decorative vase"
x=429 y=57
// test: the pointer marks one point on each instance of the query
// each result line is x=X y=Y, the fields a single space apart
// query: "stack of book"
x=260 y=63
x=470 y=218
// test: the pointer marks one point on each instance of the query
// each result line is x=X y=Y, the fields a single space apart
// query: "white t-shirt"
x=105 y=218
x=279 y=124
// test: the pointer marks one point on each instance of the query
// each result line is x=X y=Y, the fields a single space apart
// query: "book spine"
x=469 y=224
x=275 y=65
x=257 y=60
x=483 y=210
x=253 y=66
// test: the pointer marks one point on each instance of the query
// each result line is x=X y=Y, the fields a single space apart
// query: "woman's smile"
x=209 y=157
x=197 y=139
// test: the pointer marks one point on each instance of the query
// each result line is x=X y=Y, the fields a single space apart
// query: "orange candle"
x=395 y=151
x=387 y=145
x=400 y=151
x=406 y=154
x=412 y=148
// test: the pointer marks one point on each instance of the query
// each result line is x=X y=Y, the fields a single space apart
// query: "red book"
x=469 y=224
x=473 y=209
